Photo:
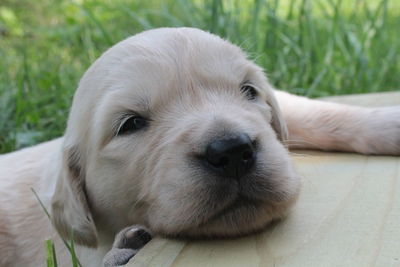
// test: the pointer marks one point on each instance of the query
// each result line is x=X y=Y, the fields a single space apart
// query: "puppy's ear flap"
x=278 y=122
x=70 y=210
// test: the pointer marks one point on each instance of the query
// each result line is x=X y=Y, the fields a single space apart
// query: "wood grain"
x=348 y=214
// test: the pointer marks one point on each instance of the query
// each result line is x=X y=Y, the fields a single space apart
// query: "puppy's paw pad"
x=127 y=243
x=134 y=237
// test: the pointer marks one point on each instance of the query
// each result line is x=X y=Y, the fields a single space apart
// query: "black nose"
x=231 y=157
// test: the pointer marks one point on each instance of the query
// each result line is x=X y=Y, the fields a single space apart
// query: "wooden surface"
x=348 y=214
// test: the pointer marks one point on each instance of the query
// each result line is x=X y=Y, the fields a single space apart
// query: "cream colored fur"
x=187 y=82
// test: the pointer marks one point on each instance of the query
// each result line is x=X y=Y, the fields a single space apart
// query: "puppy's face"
x=177 y=130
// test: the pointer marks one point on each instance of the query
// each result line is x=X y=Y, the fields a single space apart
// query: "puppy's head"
x=174 y=129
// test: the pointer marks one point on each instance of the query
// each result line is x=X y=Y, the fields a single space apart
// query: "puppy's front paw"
x=126 y=244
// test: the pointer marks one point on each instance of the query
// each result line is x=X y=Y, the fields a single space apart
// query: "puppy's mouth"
x=221 y=207
x=241 y=216
x=241 y=202
x=220 y=224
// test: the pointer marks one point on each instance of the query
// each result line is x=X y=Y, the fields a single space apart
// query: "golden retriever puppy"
x=176 y=130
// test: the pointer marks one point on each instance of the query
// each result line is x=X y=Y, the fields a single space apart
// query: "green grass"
x=309 y=47
x=51 y=257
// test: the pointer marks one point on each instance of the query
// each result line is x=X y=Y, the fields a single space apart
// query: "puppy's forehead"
x=155 y=62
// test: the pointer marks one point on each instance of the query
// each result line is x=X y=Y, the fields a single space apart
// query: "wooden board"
x=348 y=214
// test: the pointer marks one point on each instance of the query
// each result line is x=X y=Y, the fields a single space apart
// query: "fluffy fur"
x=187 y=83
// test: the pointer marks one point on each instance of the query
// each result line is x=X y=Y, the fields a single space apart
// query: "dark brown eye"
x=132 y=124
x=249 y=91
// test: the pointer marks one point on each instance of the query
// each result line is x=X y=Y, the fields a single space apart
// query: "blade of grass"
x=70 y=247
x=51 y=254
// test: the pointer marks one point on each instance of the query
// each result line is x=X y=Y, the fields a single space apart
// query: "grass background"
x=309 y=47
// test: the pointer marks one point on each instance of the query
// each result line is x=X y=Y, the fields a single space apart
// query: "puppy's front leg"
x=330 y=126
x=127 y=243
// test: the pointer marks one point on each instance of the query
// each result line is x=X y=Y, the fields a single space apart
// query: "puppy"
x=173 y=129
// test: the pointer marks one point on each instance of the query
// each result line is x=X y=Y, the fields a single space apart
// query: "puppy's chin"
x=244 y=216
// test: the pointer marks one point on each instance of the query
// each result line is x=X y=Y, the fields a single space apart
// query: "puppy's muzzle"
x=232 y=156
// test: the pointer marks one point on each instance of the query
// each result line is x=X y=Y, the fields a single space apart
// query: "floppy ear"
x=70 y=210
x=278 y=122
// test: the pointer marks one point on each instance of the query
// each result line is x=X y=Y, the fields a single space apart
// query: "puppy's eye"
x=131 y=124
x=249 y=91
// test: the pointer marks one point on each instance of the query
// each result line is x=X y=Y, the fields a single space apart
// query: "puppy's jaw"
x=240 y=217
